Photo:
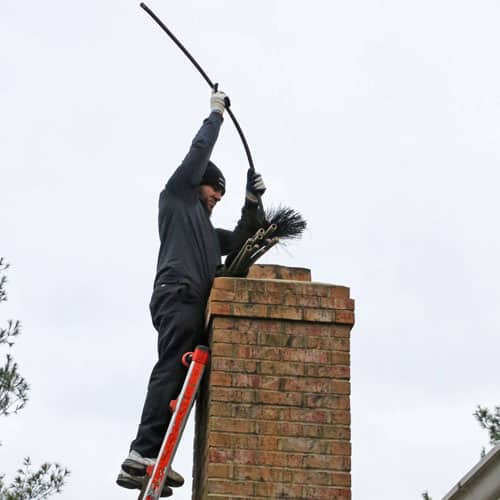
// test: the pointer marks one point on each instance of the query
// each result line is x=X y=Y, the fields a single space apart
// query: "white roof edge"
x=480 y=468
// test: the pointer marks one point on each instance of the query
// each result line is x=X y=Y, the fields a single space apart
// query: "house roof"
x=482 y=482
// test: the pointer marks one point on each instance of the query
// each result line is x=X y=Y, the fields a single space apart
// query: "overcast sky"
x=378 y=120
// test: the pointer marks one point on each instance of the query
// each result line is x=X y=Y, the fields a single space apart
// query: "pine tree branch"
x=13 y=388
x=35 y=485
x=489 y=420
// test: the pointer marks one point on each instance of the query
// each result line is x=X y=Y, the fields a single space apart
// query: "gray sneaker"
x=130 y=482
x=135 y=464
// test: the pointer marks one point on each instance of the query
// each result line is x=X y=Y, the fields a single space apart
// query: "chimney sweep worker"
x=189 y=256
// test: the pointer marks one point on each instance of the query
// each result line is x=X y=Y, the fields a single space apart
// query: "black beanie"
x=213 y=177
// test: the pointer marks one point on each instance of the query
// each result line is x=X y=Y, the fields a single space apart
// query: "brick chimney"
x=273 y=416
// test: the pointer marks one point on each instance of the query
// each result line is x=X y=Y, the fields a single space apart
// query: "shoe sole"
x=129 y=483
x=137 y=484
x=135 y=469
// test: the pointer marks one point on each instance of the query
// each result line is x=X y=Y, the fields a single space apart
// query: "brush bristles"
x=290 y=224
x=281 y=223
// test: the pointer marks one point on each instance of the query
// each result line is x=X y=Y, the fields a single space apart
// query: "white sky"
x=378 y=120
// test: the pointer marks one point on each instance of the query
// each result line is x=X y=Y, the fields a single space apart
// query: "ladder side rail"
x=177 y=424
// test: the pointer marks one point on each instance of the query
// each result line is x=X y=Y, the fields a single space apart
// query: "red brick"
x=217 y=455
x=313 y=445
x=222 y=308
x=328 y=462
x=249 y=310
x=308 y=415
x=328 y=343
x=338 y=291
x=267 y=443
x=279 y=490
x=284 y=312
x=278 y=340
x=257 y=352
x=329 y=371
x=272 y=271
x=220 y=294
x=224 y=284
x=256 y=381
x=280 y=428
x=308 y=329
x=223 y=471
x=219 y=378
x=231 y=487
x=272 y=368
x=316 y=356
x=326 y=493
x=223 y=350
x=336 y=303
x=342 y=331
x=340 y=387
x=224 y=323
x=283 y=287
x=253 y=473
x=231 y=394
x=279 y=398
x=219 y=440
x=326 y=401
x=344 y=317
x=307 y=385
x=253 y=442
x=233 y=365
x=344 y=304
x=242 y=441
x=328 y=432
x=248 y=411
x=265 y=298
x=307 y=301
x=218 y=409
x=232 y=425
x=341 y=417
x=319 y=315
x=308 y=476
x=305 y=356
x=340 y=358
x=259 y=325
x=319 y=289
x=278 y=459
x=245 y=457
x=250 y=285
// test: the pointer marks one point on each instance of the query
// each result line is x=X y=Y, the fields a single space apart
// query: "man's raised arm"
x=190 y=173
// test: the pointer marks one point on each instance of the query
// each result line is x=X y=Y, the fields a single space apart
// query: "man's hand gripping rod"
x=213 y=86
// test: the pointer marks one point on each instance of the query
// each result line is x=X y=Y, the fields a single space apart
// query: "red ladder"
x=156 y=474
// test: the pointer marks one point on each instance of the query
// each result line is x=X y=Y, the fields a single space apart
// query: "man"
x=190 y=253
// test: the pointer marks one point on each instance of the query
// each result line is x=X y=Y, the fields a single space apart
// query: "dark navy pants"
x=178 y=316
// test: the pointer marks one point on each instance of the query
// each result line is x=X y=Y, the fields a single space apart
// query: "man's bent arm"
x=252 y=218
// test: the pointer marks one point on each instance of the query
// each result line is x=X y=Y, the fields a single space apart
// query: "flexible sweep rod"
x=213 y=85
x=286 y=222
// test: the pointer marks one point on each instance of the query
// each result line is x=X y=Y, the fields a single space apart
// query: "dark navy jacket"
x=190 y=247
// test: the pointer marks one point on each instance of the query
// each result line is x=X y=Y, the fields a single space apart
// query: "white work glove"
x=219 y=102
x=255 y=186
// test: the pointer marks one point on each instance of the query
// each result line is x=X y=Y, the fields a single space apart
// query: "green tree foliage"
x=425 y=496
x=35 y=485
x=28 y=484
x=13 y=387
x=489 y=420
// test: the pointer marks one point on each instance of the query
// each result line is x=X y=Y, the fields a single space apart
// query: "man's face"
x=210 y=196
